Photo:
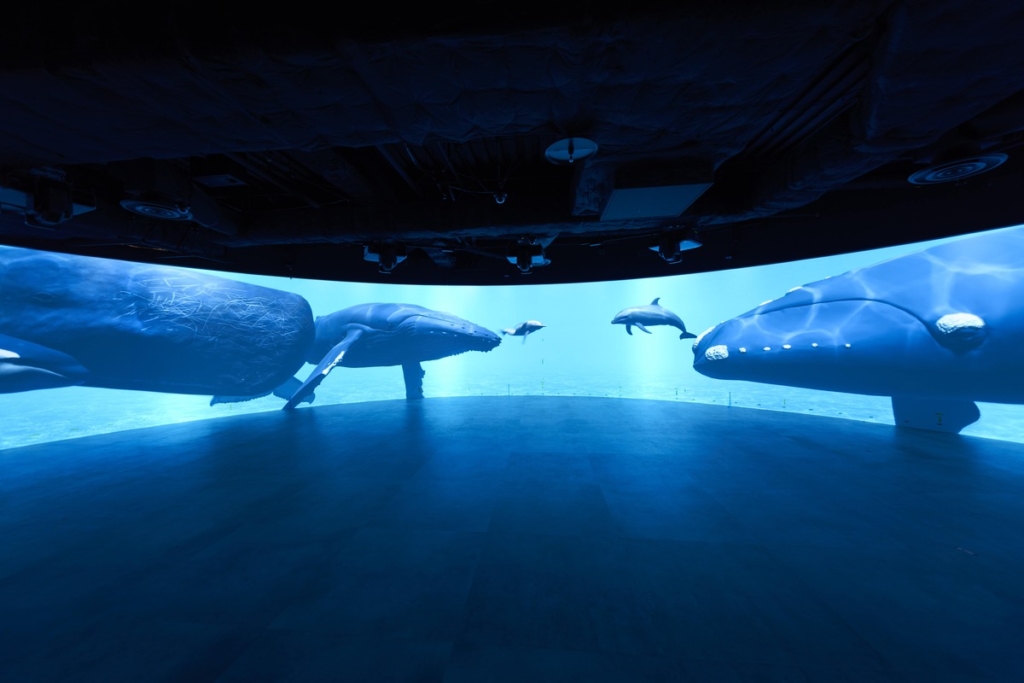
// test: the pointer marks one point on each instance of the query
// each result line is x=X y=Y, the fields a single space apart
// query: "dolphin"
x=374 y=335
x=935 y=330
x=654 y=314
x=69 y=320
x=524 y=329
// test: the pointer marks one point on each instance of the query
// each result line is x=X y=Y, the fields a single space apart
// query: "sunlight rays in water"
x=579 y=353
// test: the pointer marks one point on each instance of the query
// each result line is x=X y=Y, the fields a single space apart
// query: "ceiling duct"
x=657 y=192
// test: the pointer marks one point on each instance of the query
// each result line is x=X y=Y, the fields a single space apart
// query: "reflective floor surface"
x=513 y=539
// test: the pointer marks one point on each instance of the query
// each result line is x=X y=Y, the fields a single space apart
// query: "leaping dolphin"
x=77 y=320
x=654 y=314
x=936 y=330
x=524 y=329
x=374 y=335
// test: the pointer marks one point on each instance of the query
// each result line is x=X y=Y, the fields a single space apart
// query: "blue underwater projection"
x=935 y=330
x=69 y=320
x=915 y=341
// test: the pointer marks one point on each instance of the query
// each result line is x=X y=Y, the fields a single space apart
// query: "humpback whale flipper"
x=328 y=363
x=25 y=366
x=413 y=374
x=937 y=415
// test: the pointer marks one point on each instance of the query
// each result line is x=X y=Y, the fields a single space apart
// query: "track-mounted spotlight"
x=386 y=255
x=671 y=245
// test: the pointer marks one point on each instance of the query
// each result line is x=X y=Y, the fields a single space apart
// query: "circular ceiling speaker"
x=165 y=211
x=570 y=150
x=955 y=170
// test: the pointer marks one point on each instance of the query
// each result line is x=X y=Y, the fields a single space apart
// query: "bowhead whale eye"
x=961 y=332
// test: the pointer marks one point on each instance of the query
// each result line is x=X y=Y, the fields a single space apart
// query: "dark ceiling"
x=299 y=145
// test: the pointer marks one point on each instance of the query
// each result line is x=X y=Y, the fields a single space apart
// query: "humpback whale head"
x=396 y=334
x=433 y=334
x=943 y=322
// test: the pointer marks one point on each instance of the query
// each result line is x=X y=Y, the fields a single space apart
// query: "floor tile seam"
x=728 y=511
x=624 y=653
x=130 y=574
x=479 y=545
x=827 y=606
x=540 y=648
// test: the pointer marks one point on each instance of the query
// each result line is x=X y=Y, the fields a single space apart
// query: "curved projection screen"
x=918 y=335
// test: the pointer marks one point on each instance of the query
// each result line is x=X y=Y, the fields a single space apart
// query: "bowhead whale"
x=935 y=330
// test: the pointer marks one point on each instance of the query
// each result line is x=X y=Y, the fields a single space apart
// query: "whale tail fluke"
x=687 y=335
x=504 y=332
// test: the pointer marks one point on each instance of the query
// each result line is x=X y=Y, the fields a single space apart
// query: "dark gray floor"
x=513 y=539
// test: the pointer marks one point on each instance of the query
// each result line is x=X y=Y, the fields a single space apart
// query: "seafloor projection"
x=122 y=345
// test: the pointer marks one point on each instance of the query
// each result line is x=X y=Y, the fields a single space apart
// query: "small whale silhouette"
x=524 y=329
x=653 y=314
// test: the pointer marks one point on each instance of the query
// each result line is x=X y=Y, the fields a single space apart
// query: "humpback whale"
x=935 y=330
x=653 y=314
x=374 y=335
x=524 y=329
x=76 y=320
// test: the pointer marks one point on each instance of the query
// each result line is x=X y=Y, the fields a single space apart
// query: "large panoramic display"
x=917 y=336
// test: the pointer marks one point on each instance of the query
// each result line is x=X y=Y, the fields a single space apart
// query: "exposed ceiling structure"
x=507 y=146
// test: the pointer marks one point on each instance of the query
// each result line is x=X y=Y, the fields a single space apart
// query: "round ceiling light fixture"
x=956 y=170
x=156 y=208
x=570 y=150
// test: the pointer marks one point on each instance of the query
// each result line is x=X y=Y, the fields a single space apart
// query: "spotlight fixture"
x=386 y=255
x=671 y=245
x=158 y=206
x=958 y=169
x=43 y=197
x=570 y=150
x=527 y=255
